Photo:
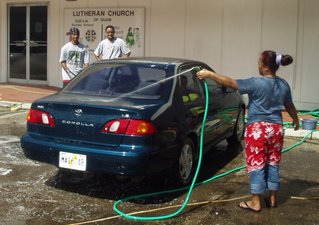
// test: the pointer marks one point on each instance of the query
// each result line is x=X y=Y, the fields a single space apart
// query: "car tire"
x=239 y=130
x=185 y=166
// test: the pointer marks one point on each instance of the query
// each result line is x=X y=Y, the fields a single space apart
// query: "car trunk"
x=81 y=123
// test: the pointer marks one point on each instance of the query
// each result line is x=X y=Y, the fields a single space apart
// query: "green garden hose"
x=153 y=218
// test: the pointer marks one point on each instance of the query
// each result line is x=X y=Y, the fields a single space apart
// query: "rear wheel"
x=239 y=129
x=185 y=166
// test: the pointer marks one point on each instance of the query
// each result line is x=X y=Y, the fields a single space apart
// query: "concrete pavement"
x=21 y=96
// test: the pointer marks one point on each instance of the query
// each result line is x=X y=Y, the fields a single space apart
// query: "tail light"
x=40 y=117
x=129 y=127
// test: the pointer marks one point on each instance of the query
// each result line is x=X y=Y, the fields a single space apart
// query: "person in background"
x=74 y=57
x=111 y=47
x=268 y=95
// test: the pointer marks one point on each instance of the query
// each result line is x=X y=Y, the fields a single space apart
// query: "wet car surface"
x=133 y=117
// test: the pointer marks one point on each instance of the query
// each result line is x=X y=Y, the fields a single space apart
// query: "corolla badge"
x=78 y=112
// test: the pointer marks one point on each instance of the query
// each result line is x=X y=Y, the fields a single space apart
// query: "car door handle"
x=218 y=108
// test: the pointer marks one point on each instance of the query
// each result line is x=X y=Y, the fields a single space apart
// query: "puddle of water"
x=6 y=129
x=12 y=123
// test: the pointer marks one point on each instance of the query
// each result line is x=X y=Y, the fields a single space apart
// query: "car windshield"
x=131 y=80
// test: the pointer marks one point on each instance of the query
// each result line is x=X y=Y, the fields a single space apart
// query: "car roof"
x=157 y=60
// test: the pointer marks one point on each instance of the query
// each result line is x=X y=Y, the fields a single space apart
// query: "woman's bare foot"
x=248 y=205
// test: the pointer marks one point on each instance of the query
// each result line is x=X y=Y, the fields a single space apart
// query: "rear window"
x=132 y=80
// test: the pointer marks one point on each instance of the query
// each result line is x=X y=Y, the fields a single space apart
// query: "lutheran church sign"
x=128 y=23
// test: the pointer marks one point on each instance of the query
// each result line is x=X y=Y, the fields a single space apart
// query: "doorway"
x=27 y=57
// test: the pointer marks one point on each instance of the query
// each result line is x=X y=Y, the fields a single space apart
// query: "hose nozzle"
x=196 y=68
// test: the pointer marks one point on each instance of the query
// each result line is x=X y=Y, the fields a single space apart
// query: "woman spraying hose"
x=264 y=134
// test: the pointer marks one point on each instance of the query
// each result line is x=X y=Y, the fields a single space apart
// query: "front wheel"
x=185 y=165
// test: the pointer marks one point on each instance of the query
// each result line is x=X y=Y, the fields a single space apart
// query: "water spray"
x=195 y=68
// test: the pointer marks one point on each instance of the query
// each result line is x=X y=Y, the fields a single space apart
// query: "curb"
x=301 y=133
x=15 y=105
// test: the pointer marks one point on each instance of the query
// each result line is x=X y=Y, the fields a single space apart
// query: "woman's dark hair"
x=273 y=60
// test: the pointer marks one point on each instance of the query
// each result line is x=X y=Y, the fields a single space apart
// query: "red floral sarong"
x=263 y=144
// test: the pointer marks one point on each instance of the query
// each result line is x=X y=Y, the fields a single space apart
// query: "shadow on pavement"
x=298 y=190
x=114 y=188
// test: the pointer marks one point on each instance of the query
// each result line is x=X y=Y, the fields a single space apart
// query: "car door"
x=193 y=97
x=225 y=102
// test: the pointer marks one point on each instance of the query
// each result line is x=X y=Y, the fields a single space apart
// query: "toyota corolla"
x=133 y=117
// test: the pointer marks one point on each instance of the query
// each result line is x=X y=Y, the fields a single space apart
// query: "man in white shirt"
x=111 y=47
x=74 y=57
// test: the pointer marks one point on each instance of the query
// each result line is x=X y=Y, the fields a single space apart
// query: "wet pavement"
x=37 y=193
x=22 y=94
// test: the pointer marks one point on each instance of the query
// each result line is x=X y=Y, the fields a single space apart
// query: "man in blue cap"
x=74 y=57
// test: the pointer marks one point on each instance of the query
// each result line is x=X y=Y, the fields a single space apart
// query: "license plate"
x=72 y=161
